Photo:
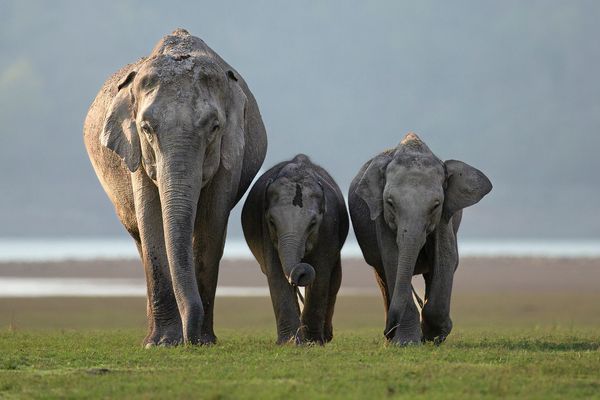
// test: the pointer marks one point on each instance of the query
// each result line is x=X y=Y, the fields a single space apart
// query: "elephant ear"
x=465 y=186
x=371 y=184
x=234 y=138
x=253 y=215
x=323 y=206
x=119 y=133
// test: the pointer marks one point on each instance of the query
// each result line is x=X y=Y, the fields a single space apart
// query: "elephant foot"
x=436 y=339
x=208 y=339
x=436 y=333
x=328 y=335
x=406 y=339
x=297 y=338
x=405 y=342
x=164 y=336
x=405 y=336
x=293 y=339
x=315 y=337
x=291 y=334
x=311 y=341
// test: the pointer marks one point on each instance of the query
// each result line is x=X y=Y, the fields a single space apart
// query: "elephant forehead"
x=166 y=69
x=415 y=164
x=415 y=174
x=415 y=160
x=291 y=193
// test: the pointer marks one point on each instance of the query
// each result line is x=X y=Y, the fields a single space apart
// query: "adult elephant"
x=176 y=139
x=406 y=207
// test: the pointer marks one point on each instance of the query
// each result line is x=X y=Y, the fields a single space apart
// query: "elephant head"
x=295 y=205
x=178 y=116
x=417 y=194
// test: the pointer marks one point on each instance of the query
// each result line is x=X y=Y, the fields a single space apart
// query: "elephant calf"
x=406 y=207
x=295 y=222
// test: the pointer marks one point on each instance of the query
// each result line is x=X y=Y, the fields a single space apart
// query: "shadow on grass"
x=568 y=345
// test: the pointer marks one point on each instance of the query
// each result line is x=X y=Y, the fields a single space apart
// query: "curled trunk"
x=291 y=251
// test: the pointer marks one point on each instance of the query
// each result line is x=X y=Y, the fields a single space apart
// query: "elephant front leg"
x=334 y=287
x=209 y=241
x=285 y=303
x=402 y=325
x=317 y=303
x=164 y=325
x=436 y=323
x=207 y=274
x=404 y=330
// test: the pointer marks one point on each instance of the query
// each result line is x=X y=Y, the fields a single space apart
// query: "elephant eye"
x=435 y=205
x=390 y=203
x=212 y=133
x=145 y=126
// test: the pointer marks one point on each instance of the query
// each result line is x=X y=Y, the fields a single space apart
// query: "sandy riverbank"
x=488 y=293
x=474 y=274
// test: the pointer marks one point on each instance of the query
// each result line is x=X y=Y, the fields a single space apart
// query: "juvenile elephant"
x=176 y=139
x=295 y=222
x=406 y=207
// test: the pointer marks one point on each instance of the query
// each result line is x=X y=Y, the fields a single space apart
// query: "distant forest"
x=509 y=87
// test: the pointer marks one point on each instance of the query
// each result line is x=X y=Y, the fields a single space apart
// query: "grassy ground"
x=539 y=345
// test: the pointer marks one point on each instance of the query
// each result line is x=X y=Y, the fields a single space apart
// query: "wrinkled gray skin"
x=176 y=139
x=406 y=207
x=295 y=222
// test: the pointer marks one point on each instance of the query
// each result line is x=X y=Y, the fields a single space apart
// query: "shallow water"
x=42 y=249
x=117 y=287
x=45 y=250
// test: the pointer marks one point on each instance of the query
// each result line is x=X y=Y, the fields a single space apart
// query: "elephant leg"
x=408 y=329
x=149 y=312
x=381 y=282
x=209 y=242
x=285 y=302
x=436 y=323
x=404 y=330
x=334 y=286
x=164 y=321
x=316 y=303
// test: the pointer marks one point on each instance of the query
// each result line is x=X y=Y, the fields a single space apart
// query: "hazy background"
x=510 y=87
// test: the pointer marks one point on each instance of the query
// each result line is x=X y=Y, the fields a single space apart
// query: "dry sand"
x=474 y=275
x=489 y=293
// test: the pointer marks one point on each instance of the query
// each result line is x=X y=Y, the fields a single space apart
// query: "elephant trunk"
x=408 y=252
x=179 y=193
x=291 y=251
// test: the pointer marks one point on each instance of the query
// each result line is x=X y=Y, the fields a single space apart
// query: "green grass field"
x=517 y=345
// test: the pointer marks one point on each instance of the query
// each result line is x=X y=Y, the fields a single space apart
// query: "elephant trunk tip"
x=302 y=274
